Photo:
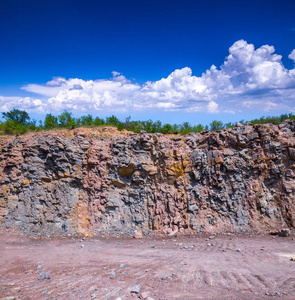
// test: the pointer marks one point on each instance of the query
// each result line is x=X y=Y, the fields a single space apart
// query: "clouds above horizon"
x=249 y=79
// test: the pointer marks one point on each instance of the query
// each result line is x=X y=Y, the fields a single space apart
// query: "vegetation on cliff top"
x=19 y=122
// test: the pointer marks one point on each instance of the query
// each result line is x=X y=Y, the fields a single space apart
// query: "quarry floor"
x=176 y=267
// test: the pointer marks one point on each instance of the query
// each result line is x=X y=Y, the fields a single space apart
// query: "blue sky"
x=148 y=59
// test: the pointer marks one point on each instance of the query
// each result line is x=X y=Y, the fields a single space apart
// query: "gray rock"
x=136 y=289
x=113 y=274
x=43 y=276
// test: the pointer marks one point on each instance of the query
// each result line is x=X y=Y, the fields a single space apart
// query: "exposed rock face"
x=240 y=179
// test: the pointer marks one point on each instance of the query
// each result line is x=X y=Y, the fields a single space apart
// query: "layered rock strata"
x=240 y=179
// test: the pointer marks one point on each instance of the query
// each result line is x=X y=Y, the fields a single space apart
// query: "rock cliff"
x=101 y=180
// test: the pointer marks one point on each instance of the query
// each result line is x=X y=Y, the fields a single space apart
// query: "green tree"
x=120 y=126
x=166 y=128
x=156 y=126
x=185 y=128
x=66 y=120
x=16 y=122
x=50 y=122
x=148 y=126
x=216 y=125
x=86 y=120
x=19 y=116
x=229 y=125
x=175 y=128
x=112 y=120
x=98 y=122
x=198 y=128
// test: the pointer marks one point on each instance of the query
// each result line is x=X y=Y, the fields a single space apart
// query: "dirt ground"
x=181 y=267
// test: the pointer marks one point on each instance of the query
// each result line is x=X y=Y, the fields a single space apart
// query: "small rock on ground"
x=136 y=289
x=43 y=276
x=113 y=274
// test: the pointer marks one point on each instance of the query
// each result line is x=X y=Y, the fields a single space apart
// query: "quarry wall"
x=85 y=181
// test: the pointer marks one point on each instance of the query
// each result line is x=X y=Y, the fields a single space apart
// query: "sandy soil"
x=193 y=267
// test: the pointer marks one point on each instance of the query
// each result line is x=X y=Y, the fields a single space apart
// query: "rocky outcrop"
x=240 y=179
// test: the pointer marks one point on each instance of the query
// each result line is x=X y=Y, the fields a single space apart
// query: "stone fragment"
x=45 y=178
x=292 y=153
x=283 y=232
x=136 y=289
x=150 y=169
x=127 y=171
x=118 y=183
x=138 y=234
x=84 y=145
x=43 y=276
x=228 y=152
x=113 y=274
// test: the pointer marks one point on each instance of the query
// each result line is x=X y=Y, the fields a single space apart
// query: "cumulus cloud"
x=25 y=103
x=248 y=79
x=292 y=55
x=212 y=107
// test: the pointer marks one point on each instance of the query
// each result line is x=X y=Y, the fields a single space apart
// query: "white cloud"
x=212 y=107
x=25 y=103
x=264 y=105
x=248 y=79
x=292 y=55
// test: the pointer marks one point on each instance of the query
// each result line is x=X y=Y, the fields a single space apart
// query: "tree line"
x=18 y=122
